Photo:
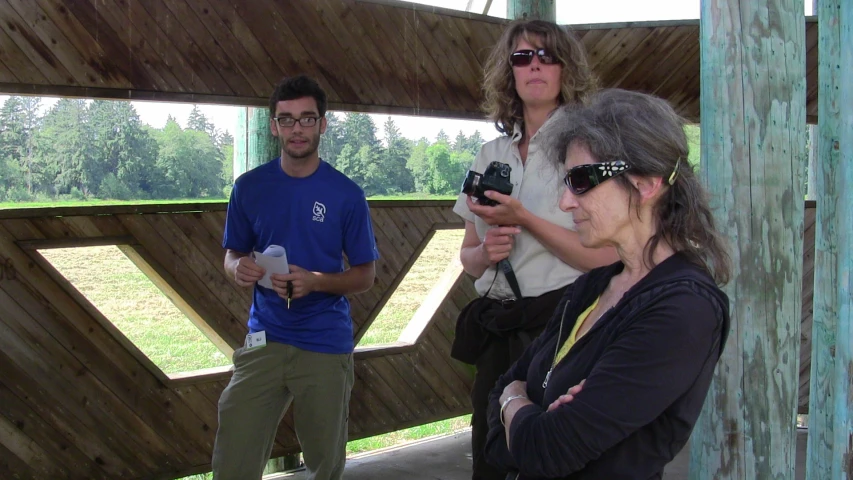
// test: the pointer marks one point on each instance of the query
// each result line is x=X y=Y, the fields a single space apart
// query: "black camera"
x=496 y=177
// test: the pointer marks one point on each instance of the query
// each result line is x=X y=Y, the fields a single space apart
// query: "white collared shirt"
x=538 y=185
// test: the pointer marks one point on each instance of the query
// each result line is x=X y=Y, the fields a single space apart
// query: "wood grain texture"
x=78 y=400
x=370 y=55
x=753 y=158
x=830 y=452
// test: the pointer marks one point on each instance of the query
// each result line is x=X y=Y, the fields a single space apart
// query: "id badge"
x=256 y=340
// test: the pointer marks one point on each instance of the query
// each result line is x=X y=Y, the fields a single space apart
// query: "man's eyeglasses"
x=584 y=178
x=523 y=58
x=288 y=122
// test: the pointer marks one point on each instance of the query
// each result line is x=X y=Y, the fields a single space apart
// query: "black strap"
x=506 y=268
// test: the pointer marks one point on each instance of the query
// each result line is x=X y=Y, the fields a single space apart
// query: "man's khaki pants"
x=264 y=383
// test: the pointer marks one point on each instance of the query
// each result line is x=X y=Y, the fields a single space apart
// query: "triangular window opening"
x=112 y=283
x=407 y=313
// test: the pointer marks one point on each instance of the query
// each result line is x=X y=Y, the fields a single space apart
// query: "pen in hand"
x=289 y=293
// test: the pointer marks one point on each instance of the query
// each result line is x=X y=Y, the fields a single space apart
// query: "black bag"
x=519 y=321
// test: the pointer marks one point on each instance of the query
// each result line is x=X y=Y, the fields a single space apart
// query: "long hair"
x=502 y=103
x=647 y=133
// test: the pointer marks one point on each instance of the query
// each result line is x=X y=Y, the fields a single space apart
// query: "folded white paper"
x=274 y=260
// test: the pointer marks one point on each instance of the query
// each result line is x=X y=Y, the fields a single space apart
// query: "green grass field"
x=113 y=284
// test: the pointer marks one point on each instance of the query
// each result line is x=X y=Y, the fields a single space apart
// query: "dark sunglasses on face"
x=584 y=178
x=523 y=58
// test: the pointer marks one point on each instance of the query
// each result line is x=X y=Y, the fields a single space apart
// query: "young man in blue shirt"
x=303 y=322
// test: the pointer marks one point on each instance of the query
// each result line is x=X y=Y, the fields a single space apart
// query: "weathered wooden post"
x=532 y=10
x=254 y=145
x=830 y=445
x=753 y=159
x=811 y=183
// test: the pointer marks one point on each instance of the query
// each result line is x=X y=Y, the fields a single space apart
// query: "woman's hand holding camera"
x=509 y=210
x=503 y=218
x=498 y=243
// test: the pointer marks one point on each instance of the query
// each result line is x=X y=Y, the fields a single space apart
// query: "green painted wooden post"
x=830 y=445
x=811 y=184
x=532 y=9
x=843 y=445
x=753 y=159
x=254 y=145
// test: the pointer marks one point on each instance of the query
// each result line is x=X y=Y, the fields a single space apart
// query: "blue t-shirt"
x=316 y=219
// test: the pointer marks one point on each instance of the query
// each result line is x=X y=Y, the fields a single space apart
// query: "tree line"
x=81 y=149
x=100 y=149
x=398 y=165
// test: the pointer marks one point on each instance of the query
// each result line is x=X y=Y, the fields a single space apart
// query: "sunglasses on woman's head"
x=584 y=178
x=523 y=58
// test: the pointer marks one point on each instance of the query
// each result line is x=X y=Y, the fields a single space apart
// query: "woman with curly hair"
x=521 y=248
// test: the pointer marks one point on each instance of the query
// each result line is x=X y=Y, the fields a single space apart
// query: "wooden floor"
x=449 y=458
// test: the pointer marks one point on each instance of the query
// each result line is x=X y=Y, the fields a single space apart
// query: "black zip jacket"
x=648 y=364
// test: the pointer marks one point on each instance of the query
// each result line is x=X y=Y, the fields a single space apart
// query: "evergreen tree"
x=359 y=133
x=223 y=139
x=198 y=121
x=442 y=138
x=418 y=165
x=19 y=119
x=9 y=172
x=225 y=146
x=333 y=141
x=120 y=146
x=189 y=162
x=359 y=130
x=397 y=150
x=474 y=143
x=375 y=180
x=350 y=164
x=461 y=142
x=62 y=147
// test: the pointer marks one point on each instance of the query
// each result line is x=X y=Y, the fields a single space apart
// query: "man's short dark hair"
x=291 y=88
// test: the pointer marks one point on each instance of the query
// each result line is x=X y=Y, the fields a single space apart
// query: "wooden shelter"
x=77 y=400
x=80 y=401
x=379 y=56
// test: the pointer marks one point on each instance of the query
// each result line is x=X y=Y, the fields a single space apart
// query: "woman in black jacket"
x=613 y=386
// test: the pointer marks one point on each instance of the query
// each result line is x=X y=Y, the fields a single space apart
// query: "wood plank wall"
x=80 y=401
x=380 y=56
x=77 y=400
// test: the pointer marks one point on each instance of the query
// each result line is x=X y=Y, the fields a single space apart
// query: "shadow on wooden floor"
x=449 y=458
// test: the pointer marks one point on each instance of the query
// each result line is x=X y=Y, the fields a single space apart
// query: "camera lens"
x=469 y=185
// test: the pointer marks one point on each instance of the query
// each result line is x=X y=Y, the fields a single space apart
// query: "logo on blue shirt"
x=319 y=212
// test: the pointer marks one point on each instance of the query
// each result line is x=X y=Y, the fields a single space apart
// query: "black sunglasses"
x=584 y=178
x=523 y=58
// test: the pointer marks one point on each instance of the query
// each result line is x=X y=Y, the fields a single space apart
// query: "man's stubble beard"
x=314 y=145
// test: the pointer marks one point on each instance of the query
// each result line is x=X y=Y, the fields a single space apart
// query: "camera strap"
x=506 y=268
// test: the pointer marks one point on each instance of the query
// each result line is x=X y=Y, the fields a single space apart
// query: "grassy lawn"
x=136 y=307
x=147 y=318
x=439 y=252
